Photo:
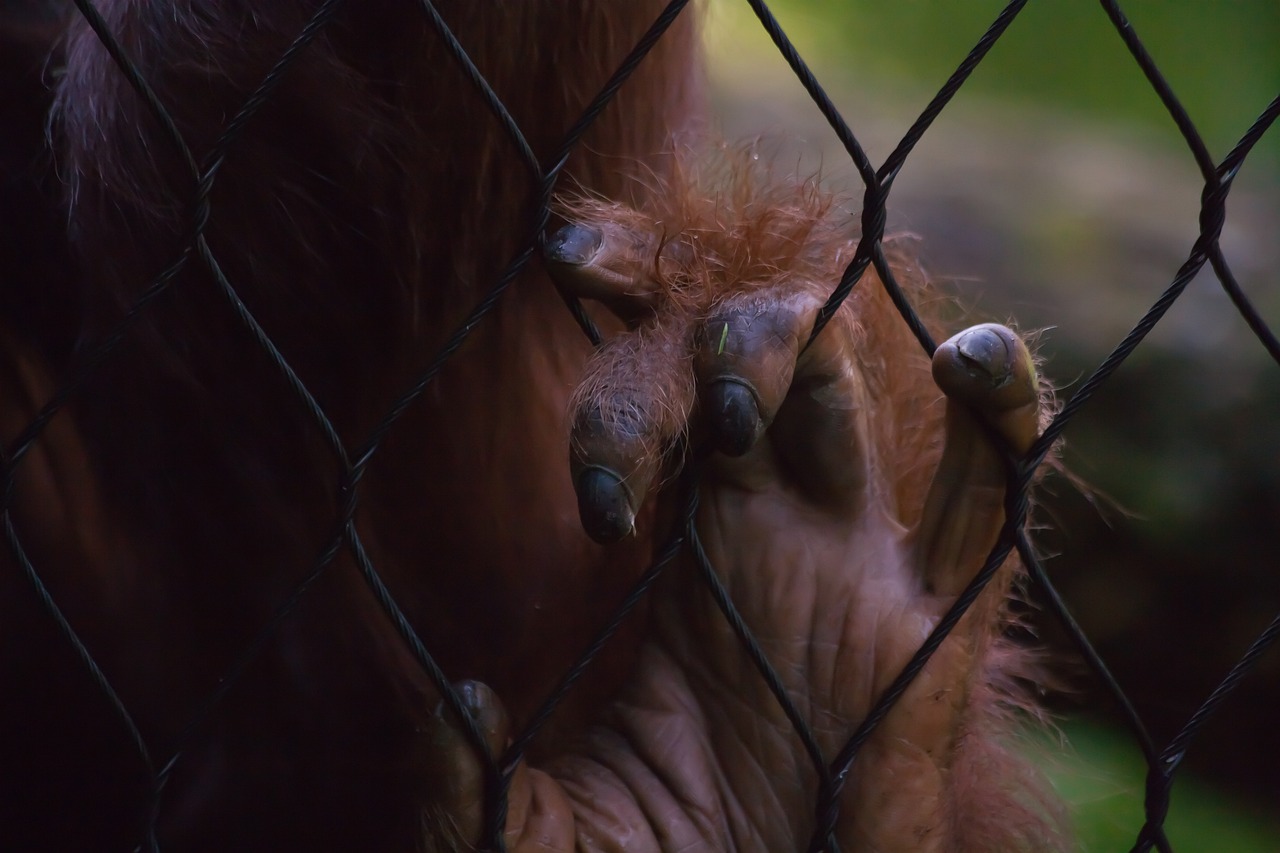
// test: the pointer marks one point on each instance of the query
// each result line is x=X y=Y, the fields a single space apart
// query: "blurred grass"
x=1102 y=776
x=1222 y=58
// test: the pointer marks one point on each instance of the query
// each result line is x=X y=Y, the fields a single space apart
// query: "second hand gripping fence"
x=833 y=771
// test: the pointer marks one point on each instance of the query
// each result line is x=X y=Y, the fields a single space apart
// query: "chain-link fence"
x=545 y=176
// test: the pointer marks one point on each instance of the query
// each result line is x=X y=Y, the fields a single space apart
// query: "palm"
x=815 y=516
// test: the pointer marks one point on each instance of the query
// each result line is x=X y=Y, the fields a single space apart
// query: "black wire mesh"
x=832 y=771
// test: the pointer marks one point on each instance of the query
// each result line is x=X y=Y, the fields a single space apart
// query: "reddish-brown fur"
x=184 y=491
x=732 y=223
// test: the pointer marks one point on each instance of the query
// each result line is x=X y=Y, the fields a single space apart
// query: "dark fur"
x=360 y=215
x=185 y=492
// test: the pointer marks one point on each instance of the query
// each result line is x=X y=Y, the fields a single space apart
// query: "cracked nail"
x=985 y=350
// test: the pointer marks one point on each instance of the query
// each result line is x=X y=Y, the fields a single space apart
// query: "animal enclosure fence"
x=833 y=771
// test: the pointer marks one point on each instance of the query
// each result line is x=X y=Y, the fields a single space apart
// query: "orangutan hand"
x=820 y=518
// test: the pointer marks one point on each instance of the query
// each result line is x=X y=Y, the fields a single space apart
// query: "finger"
x=628 y=412
x=989 y=369
x=613 y=263
x=757 y=372
x=456 y=777
x=992 y=400
x=745 y=357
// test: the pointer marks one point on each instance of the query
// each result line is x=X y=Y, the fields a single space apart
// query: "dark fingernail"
x=574 y=244
x=483 y=706
x=477 y=697
x=733 y=415
x=604 y=505
x=474 y=695
x=985 y=350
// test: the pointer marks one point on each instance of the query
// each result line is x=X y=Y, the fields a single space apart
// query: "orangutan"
x=187 y=505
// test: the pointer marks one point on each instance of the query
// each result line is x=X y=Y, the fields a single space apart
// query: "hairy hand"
x=838 y=530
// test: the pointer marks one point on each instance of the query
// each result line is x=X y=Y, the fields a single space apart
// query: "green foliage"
x=1220 y=56
x=1102 y=776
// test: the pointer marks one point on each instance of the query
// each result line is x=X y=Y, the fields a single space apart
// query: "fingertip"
x=733 y=413
x=575 y=244
x=487 y=710
x=987 y=366
x=986 y=351
x=604 y=505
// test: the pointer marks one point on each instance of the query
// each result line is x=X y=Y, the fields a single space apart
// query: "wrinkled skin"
x=798 y=514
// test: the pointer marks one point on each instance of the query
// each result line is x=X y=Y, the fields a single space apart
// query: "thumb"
x=453 y=816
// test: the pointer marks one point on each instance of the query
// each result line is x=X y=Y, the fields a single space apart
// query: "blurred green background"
x=1056 y=190
x=1222 y=57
